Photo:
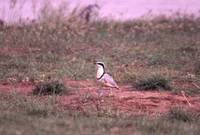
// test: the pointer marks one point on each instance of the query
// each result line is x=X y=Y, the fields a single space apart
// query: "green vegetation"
x=131 y=49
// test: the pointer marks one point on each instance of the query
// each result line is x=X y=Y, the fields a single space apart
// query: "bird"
x=103 y=77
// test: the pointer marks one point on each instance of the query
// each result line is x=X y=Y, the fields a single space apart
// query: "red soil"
x=86 y=97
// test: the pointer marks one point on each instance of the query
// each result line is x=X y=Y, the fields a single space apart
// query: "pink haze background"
x=114 y=9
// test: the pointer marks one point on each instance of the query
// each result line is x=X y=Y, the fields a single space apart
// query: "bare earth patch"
x=86 y=97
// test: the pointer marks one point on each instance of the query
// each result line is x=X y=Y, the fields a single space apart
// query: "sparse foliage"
x=49 y=88
x=152 y=83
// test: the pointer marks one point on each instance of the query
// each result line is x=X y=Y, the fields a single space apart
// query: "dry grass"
x=32 y=115
x=178 y=114
x=131 y=49
x=68 y=49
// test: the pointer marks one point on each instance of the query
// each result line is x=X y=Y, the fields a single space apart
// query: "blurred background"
x=15 y=10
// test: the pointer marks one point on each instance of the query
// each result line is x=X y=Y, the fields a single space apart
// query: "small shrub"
x=152 y=83
x=49 y=88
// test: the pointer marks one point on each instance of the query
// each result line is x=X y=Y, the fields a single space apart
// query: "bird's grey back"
x=108 y=79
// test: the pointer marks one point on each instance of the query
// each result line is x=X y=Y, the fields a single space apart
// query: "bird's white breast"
x=100 y=71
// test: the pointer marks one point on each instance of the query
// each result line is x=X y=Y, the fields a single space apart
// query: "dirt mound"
x=86 y=97
x=125 y=100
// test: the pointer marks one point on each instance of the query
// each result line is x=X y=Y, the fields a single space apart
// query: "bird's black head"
x=101 y=64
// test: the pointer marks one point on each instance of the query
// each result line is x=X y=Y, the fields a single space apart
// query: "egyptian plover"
x=104 y=77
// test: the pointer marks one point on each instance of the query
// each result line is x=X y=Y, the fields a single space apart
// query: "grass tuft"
x=152 y=83
x=42 y=113
x=49 y=88
x=179 y=114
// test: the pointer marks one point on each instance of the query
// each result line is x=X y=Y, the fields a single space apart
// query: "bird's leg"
x=100 y=91
x=110 y=92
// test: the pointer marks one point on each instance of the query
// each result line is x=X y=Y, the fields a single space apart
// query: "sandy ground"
x=86 y=96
